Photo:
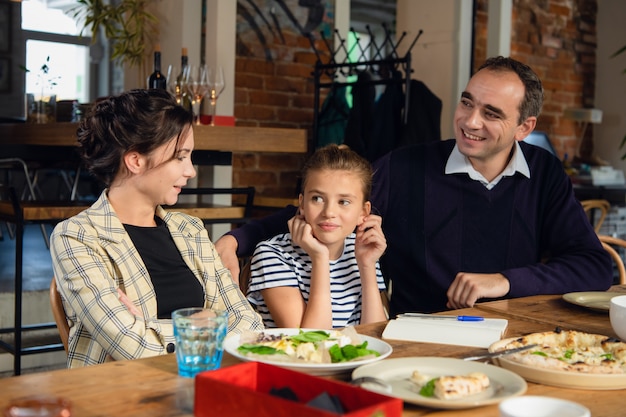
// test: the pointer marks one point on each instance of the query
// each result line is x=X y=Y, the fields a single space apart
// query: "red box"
x=244 y=390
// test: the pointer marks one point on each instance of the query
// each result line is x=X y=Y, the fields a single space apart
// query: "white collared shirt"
x=459 y=163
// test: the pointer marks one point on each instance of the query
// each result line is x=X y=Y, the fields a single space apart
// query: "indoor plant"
x=127 y=24
x=41 y=108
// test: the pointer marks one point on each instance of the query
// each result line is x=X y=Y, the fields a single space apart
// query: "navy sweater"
x=533 y=230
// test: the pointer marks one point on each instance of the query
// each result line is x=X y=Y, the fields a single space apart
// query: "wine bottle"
x=157 y=79
x=181 y=86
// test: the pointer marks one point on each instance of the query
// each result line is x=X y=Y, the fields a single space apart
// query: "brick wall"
x=557 y=38
x=277 y=93
x=273 y=88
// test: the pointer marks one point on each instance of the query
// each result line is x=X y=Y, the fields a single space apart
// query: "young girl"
x=323 y=274
x=123 y=265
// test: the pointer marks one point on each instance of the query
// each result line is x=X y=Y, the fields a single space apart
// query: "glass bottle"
x=157 y=79
x=181 y=80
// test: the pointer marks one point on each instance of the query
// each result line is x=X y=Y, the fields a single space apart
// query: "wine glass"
x=175 y=82
x=197 y=85
x=216 y=87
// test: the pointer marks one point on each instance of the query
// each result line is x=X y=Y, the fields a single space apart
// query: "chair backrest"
x=609 y=243
x=597 y=211
x=236 y=213
x=540 y=139
x=59 y=313
x=244 y=277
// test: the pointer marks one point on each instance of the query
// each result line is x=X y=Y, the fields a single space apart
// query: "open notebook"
x=449 y=332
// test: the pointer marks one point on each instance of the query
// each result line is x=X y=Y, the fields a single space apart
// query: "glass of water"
x=199 y=334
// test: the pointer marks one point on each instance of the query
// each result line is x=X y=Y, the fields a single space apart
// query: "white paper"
x=448 y=332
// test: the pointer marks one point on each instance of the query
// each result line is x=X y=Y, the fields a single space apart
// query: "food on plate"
x=450 y=387
x=570 y=350
x=310 y=346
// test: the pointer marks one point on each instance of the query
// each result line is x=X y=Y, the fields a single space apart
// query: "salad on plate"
x=306 y=346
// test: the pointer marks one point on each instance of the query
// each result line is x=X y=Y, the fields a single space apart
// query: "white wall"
x=181 y=26
x=441 y=57
x=611 y=82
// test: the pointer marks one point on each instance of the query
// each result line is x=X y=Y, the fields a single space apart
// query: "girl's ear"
x=367 y=209
x=300 y=200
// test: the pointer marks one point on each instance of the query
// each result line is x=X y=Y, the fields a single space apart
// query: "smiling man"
x=479 y=217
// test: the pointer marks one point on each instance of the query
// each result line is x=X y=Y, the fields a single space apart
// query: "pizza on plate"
x=450 y=387
x=568 y=350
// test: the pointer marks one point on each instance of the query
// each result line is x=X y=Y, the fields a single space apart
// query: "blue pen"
x=435 y=316
x=470 y=318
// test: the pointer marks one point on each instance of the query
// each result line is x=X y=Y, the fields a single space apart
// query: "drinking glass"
x=175 y=82
x=199 y=335
x=216 y=87
x=197 y=84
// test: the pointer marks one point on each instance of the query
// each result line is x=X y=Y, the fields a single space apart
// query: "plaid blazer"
x=93 y=256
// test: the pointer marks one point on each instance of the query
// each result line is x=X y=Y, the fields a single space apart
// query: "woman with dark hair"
x=123 y=265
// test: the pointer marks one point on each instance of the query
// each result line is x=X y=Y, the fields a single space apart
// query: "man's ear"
x=134 y=162
x=525 y=128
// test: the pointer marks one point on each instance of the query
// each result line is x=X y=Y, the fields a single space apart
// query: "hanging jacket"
x=333 y=117
x=375 y=127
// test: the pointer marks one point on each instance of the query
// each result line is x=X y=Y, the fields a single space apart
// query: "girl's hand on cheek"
x=302 y=235
x=370 y=242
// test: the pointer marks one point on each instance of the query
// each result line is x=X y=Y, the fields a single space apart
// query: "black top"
x=174 y=283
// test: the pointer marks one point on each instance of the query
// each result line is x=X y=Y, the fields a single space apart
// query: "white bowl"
x=537 y=406
x=617 y=313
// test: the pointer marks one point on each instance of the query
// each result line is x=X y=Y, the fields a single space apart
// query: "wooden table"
x=152 y=387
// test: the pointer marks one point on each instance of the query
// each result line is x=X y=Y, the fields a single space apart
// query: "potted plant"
x=42 y=107
x=127 y=24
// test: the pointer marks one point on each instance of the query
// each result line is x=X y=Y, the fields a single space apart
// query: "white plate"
x=594 y=300
x=232 y=343
x=397 y=371
x=558 y=378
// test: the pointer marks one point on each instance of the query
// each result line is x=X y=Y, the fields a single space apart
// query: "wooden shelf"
x=216 y=138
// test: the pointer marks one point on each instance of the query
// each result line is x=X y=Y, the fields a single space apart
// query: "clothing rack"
x=385 y=58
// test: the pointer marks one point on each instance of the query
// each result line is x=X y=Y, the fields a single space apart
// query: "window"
x=60 y=48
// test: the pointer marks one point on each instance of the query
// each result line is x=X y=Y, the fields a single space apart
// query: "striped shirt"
x=277 y=262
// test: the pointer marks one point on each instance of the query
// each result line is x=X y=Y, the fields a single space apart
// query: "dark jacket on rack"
x=333 y=117
x=424 y=118
x=375 y=127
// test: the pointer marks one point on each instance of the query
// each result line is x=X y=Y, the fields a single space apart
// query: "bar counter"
x=151 y=386
x=214 y=138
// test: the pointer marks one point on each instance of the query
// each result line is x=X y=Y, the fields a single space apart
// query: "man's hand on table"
x=467 y=288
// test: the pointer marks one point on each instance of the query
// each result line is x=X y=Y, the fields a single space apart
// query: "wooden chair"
x=609 y=243
x=237 y=213
x=597 y=211
x=244 y=277
x=59 y=313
